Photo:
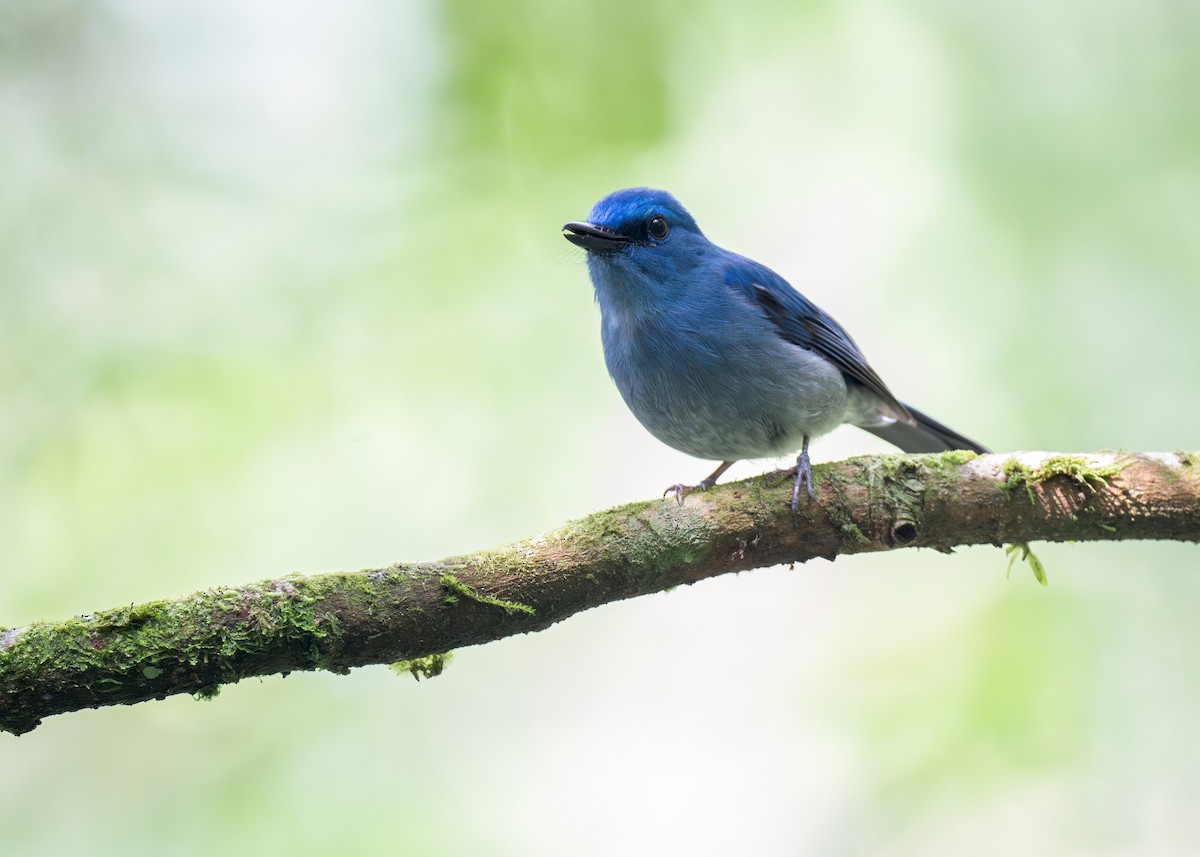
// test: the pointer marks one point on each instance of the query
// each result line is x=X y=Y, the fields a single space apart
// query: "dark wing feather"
x=803 y=323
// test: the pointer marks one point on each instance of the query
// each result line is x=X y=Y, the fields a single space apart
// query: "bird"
x=721 y=358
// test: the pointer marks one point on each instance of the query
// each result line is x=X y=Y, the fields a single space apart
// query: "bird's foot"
x=680 y=491
x=799 y=477
x=802 y=472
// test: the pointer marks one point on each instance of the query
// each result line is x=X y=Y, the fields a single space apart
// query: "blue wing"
x=803 y=323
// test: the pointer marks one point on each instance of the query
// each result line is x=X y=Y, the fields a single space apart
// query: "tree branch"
x=337 y=621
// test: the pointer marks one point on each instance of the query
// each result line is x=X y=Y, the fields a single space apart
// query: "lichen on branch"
x=415 y=613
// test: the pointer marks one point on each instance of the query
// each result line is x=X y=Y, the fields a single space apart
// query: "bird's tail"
x=926 y=435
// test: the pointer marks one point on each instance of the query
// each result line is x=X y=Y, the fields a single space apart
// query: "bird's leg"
x=803 y=474
x=802 y=470
x=682 y=491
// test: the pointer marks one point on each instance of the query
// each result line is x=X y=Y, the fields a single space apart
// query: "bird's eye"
x=657 y=227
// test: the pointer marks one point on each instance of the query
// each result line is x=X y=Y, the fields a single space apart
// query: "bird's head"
x=642 y=246
x=626 y=220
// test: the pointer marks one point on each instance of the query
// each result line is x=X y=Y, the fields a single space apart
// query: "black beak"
x=595 y=239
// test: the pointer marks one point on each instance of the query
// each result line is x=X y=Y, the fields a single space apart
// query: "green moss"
x=456 y=587
x=131 y=618
x=895 y=466
x=520 y=558
x=824 y=479
x=1017 y=475
x=1078 y=470
x=851 y=534
x=640 y=543
x=1073 y=467
x=428 y=666
x=1187 y=459
x=1027 y=554
x=955 y=458
x=903 y=480
x=193 y=644
x=609 y=524
x=135 y=644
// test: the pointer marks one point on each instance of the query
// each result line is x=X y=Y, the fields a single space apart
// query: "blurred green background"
x=282 y=290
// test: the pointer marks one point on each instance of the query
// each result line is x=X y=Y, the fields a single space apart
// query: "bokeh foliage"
x=281 y=289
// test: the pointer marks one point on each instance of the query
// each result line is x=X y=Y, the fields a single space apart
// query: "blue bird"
x=717 y=356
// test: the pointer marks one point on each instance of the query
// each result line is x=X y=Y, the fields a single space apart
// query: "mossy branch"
x=410 y=612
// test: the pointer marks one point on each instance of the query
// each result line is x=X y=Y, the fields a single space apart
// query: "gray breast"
x=723 y=397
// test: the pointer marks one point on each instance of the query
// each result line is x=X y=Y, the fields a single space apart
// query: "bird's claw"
x=801 y=471
x=680 y=491
x=801 y=478
x=709 y=481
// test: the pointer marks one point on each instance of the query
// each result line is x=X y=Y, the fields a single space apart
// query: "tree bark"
x=410 y=611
